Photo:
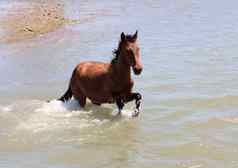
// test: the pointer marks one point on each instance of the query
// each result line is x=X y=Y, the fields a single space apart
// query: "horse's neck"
x=121 y=72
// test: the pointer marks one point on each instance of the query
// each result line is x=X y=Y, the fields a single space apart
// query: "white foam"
x=38 y=116
x=72 y=108
x=58 y=106
x=58 y=115
x=6 y=108
x=129 y=113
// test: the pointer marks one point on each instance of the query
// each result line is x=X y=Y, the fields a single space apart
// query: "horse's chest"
x=123 y=88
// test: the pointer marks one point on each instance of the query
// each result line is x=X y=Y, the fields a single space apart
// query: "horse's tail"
x=67 y=95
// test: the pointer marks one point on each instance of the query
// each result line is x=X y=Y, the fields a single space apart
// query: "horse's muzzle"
x=137 y=71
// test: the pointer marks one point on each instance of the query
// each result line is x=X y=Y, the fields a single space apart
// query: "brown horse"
x=108 y=82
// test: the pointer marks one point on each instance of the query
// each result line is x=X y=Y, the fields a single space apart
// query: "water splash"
x=57 y=115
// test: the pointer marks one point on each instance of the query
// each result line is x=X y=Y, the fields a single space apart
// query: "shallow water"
x=189 y=85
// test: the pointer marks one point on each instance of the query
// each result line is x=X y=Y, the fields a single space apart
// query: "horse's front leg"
x=120 y=104
x=137 y=97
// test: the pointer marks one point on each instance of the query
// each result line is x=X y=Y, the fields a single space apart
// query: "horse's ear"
x=135 y=35
x=123 y=36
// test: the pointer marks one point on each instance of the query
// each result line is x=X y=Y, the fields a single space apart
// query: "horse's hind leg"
x=82 y=100
x=80 y=97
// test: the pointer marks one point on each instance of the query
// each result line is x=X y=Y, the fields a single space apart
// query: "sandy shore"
x=25 y=20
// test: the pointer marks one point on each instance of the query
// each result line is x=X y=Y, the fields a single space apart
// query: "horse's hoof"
x=136 y=113
x=118 y=113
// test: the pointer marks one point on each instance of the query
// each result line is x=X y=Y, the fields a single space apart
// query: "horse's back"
x=91 y=69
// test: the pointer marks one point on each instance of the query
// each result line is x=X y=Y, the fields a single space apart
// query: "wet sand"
x=25 y=20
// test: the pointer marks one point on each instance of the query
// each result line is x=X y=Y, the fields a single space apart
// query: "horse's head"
x=131 y=51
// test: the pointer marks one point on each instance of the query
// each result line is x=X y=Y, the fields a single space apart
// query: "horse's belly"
x=99 y=95
x=95 y=86
x=101 y=98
